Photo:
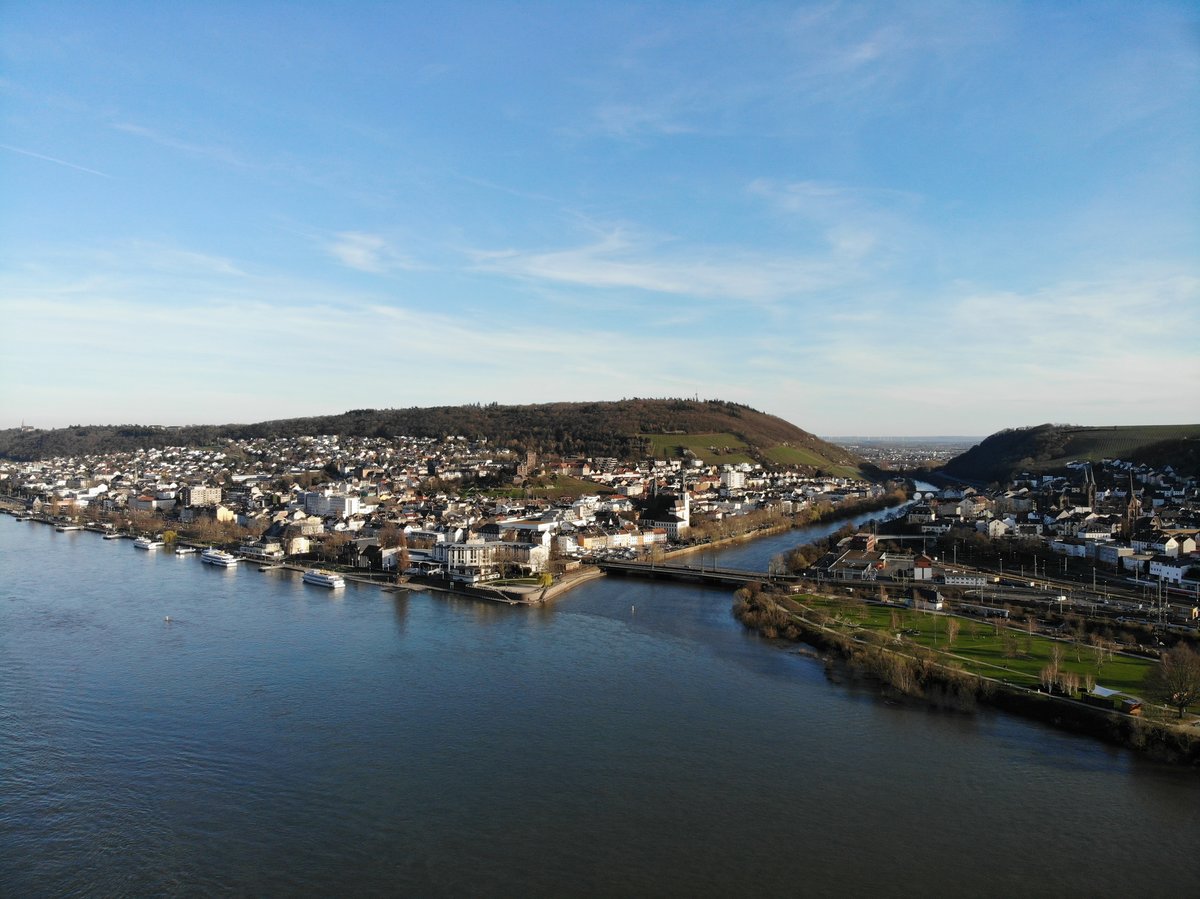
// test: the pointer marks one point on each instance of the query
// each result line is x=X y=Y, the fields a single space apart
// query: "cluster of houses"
x=421 y=505
x=1144 y=523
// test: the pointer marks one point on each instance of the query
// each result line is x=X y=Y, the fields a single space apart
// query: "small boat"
x=214 y=556
x=184 y=550
x=113 y=535
x=323 y=578
x=63 y=528
x=148 y=543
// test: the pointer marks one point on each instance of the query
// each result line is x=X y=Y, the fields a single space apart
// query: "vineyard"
x=1050 y=447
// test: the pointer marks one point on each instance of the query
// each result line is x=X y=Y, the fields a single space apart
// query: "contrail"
x=69 y=165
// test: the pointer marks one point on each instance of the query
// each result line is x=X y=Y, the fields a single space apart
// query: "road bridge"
x=675 y=572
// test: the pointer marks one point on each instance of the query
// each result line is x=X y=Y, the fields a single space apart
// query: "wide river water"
x=631 y=739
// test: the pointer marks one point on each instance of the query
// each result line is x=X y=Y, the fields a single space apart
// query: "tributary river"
x=274 y=738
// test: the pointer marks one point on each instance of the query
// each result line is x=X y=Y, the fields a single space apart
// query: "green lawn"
x=799 y=455
x=712 y=449
x=980 y=647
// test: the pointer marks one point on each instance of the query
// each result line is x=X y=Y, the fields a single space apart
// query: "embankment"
x=916 y=672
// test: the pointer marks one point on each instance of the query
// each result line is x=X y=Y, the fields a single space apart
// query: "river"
x=631 y=739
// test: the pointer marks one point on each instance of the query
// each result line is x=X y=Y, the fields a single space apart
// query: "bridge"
x=676 y=572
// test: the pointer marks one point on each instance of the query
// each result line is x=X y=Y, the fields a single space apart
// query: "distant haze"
x=942 y=438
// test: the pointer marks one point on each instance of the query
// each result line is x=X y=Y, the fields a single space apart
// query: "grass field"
x=798 y=455
x=712 y=449
x=985 y=647
x=1120 y=442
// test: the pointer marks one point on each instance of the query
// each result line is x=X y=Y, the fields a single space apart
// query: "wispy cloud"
x=619 y=259
x=863 y=58
x=1089 y=352
x=1092 y=319
x=214 y=152
x=368 y=253
x=56 y=161
x=827 y=199
x=630 y=119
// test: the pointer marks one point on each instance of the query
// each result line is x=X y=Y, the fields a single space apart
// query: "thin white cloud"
x=173 y=259
x=55 y=160
x=1088 y=318
x=618 y=260
x=631 y=119
x=368 y=253
x=827 y=199
x=214 y=152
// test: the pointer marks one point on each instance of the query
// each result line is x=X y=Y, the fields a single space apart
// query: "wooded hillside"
x=628 y=429
x=1048 y=447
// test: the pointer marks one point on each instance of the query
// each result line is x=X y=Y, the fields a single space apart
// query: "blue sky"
x=868 y=218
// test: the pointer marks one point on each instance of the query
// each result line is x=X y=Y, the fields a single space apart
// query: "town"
x=1099 y=527
x=454 y=508
x=470 y=513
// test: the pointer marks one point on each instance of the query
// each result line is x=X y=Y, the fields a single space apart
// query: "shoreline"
x=947 y=688
x=936 y=685
x=519 y=595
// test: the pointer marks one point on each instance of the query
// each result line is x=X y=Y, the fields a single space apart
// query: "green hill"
x=712 y=430
x=1047 y=448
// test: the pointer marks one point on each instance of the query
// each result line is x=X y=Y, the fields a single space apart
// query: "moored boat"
x=323 y=578
x=213 y=556
x=148 y=543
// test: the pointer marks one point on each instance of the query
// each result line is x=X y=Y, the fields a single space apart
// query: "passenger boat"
x=323 y=578
x=147 y=543
x=213 y=556
x=63 y=528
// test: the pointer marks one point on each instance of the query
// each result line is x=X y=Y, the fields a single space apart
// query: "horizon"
x=829 y=438
x=913 y=220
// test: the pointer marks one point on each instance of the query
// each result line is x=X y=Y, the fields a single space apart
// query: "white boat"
x=213 y=556
x=323 y=578
x=147 y=543
x=112 y=535
x=184 y=550
x=63 y=528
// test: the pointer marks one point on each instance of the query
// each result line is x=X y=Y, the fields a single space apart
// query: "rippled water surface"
x=277 y=738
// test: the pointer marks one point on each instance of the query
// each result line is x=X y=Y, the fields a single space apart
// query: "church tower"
x=1133 y=510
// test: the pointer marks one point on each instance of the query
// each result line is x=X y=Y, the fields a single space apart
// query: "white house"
x=1166 y=568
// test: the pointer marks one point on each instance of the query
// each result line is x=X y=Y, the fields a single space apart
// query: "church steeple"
x=1133 y=510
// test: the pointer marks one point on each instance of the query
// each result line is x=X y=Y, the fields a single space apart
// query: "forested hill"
x=630 y=429
x=1047 y=448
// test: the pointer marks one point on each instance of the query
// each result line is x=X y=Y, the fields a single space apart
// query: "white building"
x=732 y=479
x=329 y=504
x=473 y=561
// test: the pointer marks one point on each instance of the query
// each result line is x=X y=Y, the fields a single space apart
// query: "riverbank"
x=845 y=512
x=923 y=675
x=526 y=595
x=736 y=540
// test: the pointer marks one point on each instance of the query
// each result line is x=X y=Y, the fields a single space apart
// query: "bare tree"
x=1175 y=680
